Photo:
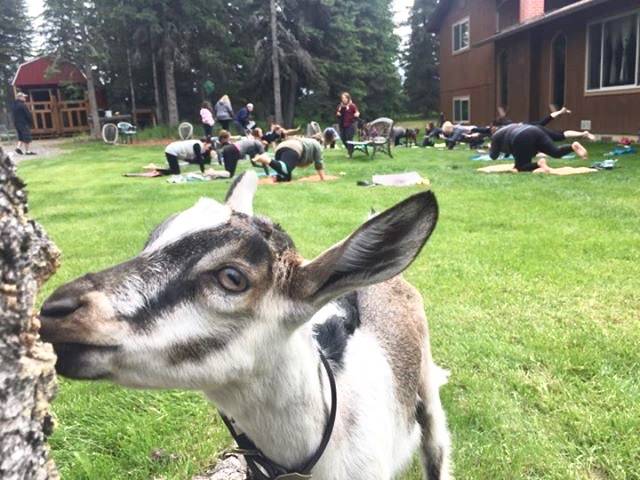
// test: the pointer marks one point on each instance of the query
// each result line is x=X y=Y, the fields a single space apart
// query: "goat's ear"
x=380 y=249
x=241 y=193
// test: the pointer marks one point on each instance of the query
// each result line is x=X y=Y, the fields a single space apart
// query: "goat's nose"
x=60 y=307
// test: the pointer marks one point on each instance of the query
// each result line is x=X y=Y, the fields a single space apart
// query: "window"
x=558 y=69
x=503 y=78
x=461 y=108
x=461 y=35
x=612 y=53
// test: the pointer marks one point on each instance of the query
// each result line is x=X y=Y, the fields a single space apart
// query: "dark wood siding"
x=609 y=112
x=509 y=14
x=469 y=73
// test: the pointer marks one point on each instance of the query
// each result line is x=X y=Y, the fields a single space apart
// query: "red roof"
x=41 y=72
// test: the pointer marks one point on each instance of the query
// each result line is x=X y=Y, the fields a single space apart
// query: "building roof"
x=41 y=72
x=547 y=17
x=433 y=25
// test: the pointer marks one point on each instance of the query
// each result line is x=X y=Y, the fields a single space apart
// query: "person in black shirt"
x=525 y=141
x=22 y=120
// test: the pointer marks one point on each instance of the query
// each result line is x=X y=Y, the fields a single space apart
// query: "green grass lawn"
x=531 y=287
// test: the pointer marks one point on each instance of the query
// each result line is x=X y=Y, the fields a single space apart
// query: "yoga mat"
x=149 y=174
x=563 y=171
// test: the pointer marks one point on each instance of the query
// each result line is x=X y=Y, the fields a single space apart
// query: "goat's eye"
x=232 y=280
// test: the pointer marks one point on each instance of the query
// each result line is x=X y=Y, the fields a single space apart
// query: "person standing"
x=22 y=120
x=224 y=112
x=243 y=119
x=206 y=116
x=347 y=114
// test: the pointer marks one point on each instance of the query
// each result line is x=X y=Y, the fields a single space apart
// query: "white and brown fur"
x=166 y=320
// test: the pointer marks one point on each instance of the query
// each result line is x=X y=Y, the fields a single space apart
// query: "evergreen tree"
x=73 y=31
x=420 y=60
x=15 y=47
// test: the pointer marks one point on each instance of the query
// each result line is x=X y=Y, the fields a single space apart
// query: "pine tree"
x=420 y=60
x=15 y=47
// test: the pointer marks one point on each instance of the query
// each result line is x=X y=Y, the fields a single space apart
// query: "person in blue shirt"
x=243 y=118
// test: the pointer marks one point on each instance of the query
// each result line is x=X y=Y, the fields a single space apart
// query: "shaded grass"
x=530 y=283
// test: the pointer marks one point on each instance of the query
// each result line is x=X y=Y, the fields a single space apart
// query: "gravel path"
x=43 y=148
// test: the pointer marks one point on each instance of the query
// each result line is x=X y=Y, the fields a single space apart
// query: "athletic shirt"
x=206 y=116
x=502 y=140
x=348 y=114
x=330 y=131
x=249 y=146
x=184 y=149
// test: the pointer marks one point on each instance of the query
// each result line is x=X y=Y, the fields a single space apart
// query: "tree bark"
x=131 y=89
x=27 y=375
x=93 y=102
x=156 y=89
x=277 y=95
x=170 y=85
x=292 y=94
x=230 y=467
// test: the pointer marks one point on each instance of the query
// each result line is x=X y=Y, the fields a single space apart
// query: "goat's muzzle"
x=78 y=320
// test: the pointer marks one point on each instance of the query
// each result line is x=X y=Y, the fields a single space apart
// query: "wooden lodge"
x=56 y=95
x=528 y=55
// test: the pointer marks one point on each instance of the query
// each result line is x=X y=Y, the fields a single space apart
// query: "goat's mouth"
x=83 y=361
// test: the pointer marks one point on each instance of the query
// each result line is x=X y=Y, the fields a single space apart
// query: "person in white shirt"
x=192 y=151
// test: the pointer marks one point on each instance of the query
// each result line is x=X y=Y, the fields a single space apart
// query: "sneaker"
x=19 y=151
x=30 y=153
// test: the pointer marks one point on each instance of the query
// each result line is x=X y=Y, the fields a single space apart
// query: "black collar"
x=261 y=467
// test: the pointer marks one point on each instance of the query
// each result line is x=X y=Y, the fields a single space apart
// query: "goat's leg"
x=436 y=442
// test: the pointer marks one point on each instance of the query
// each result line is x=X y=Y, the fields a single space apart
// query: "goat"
x=220 y=301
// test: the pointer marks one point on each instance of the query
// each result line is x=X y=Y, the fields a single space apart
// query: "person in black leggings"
x=525 y=141
x=290 y=154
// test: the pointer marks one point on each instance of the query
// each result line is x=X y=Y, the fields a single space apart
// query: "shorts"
x=24 y=134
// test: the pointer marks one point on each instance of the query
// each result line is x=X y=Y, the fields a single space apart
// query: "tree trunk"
x=27 y=375
x=93 y=103
x=230 y=467
x=292 y=95
x=170 y=85
x=277 y=96
x=156 y=89
x=131 y=89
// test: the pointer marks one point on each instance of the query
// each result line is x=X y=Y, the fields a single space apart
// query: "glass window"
x=461 y=35
x=613 y=53
x=461 y=107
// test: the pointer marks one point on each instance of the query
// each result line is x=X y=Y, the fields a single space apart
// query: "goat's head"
x=214 y=290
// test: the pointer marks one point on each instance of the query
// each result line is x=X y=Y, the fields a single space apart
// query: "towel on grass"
x=406 y=179
x=621 y=151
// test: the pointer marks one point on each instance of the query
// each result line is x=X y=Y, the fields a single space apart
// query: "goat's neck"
x=284 y=407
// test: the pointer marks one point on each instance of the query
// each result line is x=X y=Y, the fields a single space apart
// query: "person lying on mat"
x=232 y=153
x=293 y=153
x=502 y=122
x=525 y=141
x=470 y=134
x=277 y=134
x=192 y=151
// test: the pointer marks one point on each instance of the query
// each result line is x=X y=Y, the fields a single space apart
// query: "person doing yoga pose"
x=232 y=153
x=290 y=154
x=191 y=151
x=525 y=141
